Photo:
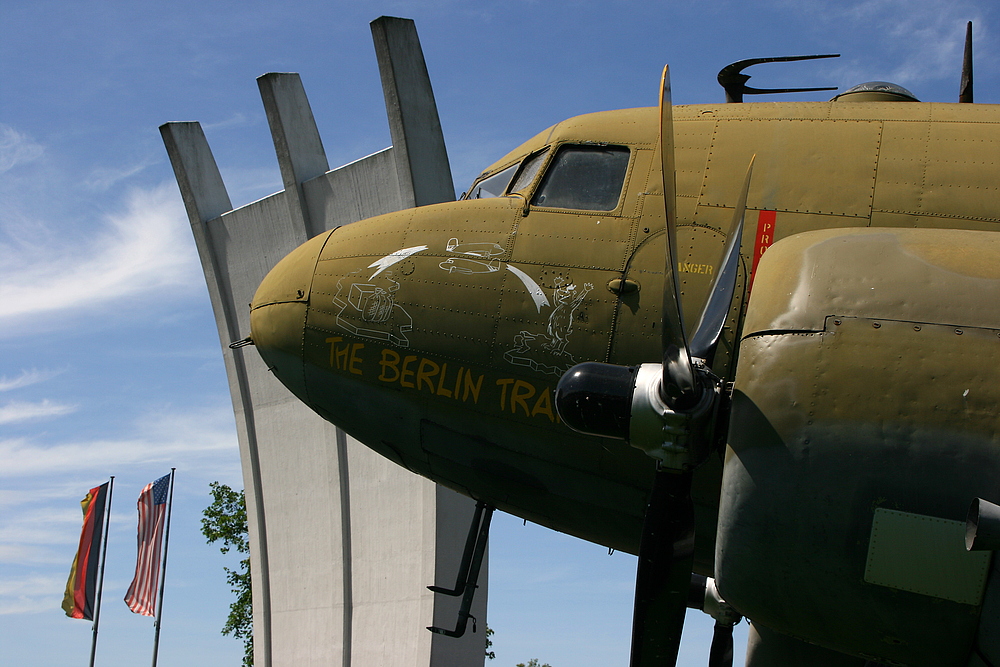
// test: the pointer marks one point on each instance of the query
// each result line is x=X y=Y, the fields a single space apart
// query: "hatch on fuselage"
x=876 y=91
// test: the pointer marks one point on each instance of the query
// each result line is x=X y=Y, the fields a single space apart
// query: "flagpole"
x=163 y=569
x=100 y=580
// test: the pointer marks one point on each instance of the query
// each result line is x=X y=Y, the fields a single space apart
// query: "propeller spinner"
x=668 y=410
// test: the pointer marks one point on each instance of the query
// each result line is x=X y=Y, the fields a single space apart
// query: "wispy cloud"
x=16 y=148
x=236 y=120
x=165 y=437
x=25 y=378
x=19 y=411
x=43 y=526
x=35 y=495
x=22 y=458
x=31 y=594
x=928 y=35
x=924 y=37
x=101 y=179
x=145 y=247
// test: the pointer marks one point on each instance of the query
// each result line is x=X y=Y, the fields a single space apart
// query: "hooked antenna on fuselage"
x=731 y=77
x=965 y=92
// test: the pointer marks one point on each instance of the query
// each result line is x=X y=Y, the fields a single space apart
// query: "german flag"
x=81 y=588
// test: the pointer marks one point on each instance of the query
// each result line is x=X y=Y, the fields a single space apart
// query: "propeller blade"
x=665 y=412
x=721 y=653
x=677 y=388
x=663 y=574
x=713 y=315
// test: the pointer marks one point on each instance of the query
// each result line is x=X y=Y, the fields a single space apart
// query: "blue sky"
x=109 y=357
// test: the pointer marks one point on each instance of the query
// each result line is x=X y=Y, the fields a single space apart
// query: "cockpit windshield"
x=529 y=171
x=492 y=186
x=580 y=176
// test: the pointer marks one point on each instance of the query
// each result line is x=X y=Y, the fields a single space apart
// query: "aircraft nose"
x=278 y=313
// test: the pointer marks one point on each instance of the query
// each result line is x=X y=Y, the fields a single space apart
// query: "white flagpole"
x=163 y=569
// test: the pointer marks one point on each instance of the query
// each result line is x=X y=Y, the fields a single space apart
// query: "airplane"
x=594 y=339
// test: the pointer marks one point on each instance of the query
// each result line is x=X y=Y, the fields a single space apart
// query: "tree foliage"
x=225 y=520
x=490 y=655
x=533 y=663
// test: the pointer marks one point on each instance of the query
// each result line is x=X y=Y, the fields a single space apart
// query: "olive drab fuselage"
x=436 y=335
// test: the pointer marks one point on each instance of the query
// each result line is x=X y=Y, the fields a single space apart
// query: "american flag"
x=141 y=596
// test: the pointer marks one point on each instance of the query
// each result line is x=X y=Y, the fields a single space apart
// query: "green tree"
x=490 y=655
x=225 y=520
x=533 y=663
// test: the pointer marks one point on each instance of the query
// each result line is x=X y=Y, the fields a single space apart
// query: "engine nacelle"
x=865 y=420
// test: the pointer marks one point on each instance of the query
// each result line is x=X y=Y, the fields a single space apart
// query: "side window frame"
x=527 y=189
x=551 y=162
x=515 y=166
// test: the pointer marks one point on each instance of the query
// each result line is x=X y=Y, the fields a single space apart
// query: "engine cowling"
x=866 y=414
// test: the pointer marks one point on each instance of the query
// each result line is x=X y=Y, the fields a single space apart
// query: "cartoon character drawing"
x=466 y=266
x=474 y=258
x=546 y=353
x=368 y=309
x=485 y=250
x=560 y=325
x=378 y=301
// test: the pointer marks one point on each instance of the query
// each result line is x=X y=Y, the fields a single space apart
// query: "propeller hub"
x=675 y=438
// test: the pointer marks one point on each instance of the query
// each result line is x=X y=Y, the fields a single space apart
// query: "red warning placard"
x=765 y=237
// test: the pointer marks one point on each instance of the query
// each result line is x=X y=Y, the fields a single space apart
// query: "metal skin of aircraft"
x=814 y=435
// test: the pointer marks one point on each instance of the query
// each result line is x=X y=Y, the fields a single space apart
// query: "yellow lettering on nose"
x=407 y=371
x=341 y=356
x=502 y=383
x=441 y=391
x=390 y=361
x=425 y=371
x=333 y=346
x=472 y=387
x=355 y=359
x=543 y=406
x=519 y=394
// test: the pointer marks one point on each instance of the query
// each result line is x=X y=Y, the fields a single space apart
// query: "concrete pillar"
x=296 y=142
x=417 y=141
x=343 y=542
x=205 y=198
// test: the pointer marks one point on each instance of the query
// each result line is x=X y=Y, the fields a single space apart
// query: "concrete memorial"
x=343 y=541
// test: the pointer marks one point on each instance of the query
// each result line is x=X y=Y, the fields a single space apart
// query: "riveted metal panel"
x=940 y=169
x=916 y=220
x=926 y=555
x=790 y=154
x=692 y=144
x=968 y=113
x=880 y=110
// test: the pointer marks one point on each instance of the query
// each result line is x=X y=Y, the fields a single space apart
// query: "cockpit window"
x=529 y=171
x=584 y=177
x=492 y=186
